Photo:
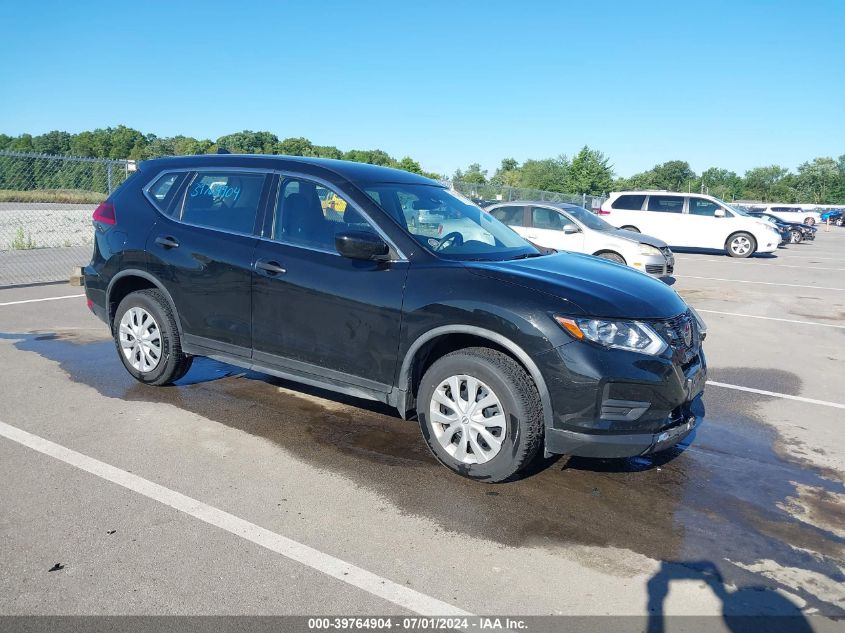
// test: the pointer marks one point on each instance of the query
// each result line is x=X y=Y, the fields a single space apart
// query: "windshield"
x=588 y=218
x=736 y=210
x=448 y=224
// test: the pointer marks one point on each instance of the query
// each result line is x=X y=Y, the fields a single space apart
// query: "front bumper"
x=614 y=403
x=657 y=265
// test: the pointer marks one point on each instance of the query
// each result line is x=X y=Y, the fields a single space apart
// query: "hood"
x=598 y=287
x=640 y=238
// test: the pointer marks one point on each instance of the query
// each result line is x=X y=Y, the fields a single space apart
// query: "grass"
x=22 y=241
x=67 y=196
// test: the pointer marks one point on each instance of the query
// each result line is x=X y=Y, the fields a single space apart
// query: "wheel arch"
x=415 y=359
x=610 y=251
x=130 y=280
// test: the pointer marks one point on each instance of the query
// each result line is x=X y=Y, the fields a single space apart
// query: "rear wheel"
x=795 y=236
x=611 y=256
x=147 y=338
x=480 y=414
x=810 y=221
x=838 y=221
x=741 y=245
x=630 y=228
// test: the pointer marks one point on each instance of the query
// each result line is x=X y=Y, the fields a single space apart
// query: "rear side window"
x=666 y=204
x=700 y=206
x=227 y=201
x=629 y=201
x=512 y=216
x=162 y=190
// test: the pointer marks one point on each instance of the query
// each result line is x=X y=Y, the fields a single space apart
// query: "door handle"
x=167 y=242
x=269 y=267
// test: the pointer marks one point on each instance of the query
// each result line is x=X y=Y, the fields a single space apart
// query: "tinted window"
x=163 y=189
x=700 y=206
x=308 y=214
x=227 y=201
x=666 y=204
x=512 y=216
x=628 y=201
x=546 y=219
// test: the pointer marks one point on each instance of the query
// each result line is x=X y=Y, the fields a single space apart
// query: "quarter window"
x=512 y=216
x=700 y=206
x=629 y=201
x=308 y=214
x=666 y=204
x=163 y=189
x=227 y=201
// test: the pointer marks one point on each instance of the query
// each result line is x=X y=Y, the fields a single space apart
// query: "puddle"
x=726 y=497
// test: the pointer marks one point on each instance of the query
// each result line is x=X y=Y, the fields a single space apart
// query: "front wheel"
x=795 y=236
x=613 y=257
x=741 y=245
x=480 y=414
x=147 y=338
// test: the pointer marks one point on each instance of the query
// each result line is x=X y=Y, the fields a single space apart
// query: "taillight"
x=105 y=213
x=90 y=304
x=602 y=212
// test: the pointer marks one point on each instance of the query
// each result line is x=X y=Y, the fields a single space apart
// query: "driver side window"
x=543 y=218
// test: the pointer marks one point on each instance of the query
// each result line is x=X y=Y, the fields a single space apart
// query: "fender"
x=136 y=272
x=495 y=337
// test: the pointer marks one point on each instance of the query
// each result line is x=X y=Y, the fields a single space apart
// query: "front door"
x=314 y=309
x=547 y=230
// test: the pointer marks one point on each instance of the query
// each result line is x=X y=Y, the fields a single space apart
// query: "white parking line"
x=761 y=265
x=399 y=595
x=754 y=316
x=765 y=283
x=786 y=396
x=15 y=303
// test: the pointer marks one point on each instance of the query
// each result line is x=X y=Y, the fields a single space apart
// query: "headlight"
x=633 y=336
x=647 y=249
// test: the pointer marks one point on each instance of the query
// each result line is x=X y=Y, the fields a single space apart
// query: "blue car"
x=836 y=216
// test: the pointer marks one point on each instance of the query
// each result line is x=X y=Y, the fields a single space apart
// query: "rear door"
x=203 y=252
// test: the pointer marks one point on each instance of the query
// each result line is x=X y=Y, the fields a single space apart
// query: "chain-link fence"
x=489 y=192
x=46 y=204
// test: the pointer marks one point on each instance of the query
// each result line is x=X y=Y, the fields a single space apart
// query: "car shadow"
x=719 y=252
x=746 y=609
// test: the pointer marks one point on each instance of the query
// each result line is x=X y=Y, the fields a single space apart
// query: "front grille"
x=654 y=269
x=673 y=332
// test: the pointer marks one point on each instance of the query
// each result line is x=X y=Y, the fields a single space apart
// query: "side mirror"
x=361 y=245
x=570 y=228
x=719 y=213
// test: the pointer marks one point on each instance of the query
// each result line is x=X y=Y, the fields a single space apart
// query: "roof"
x=539 y=203
x=352 y=171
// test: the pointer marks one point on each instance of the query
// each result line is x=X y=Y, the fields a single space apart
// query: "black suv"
x=341 y=275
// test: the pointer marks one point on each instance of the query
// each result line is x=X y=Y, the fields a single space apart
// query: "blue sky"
x=733 y=84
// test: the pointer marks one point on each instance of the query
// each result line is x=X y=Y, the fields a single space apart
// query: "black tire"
x=733 y=248
x=633 y=229
x=810 y=221
x=796 y=236
x=520 y=401
x=611 y=256
x=839 y=221
x=173 y=363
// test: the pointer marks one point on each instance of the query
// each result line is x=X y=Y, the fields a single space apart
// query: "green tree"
x=54 y=142
x=816 y=180
x=295 y=147
x=768 y=184
x=721 y=183
x=589 y=172
x=248 y=142
x=508 y=173
x=550 y=174
x=473 y=174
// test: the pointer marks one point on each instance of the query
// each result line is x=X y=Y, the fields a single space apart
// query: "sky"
x=728 y=84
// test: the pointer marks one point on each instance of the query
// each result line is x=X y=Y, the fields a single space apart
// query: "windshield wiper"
x=526 y=256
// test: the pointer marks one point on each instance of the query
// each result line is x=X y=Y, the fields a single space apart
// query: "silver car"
x=568 y=227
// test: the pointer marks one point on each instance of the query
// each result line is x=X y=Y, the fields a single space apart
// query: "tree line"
x=819 y=181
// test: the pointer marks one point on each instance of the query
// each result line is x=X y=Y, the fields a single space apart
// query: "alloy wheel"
x=740 y=245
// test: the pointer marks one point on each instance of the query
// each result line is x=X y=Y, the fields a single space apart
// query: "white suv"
x=792 y=213
x=690 y=220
